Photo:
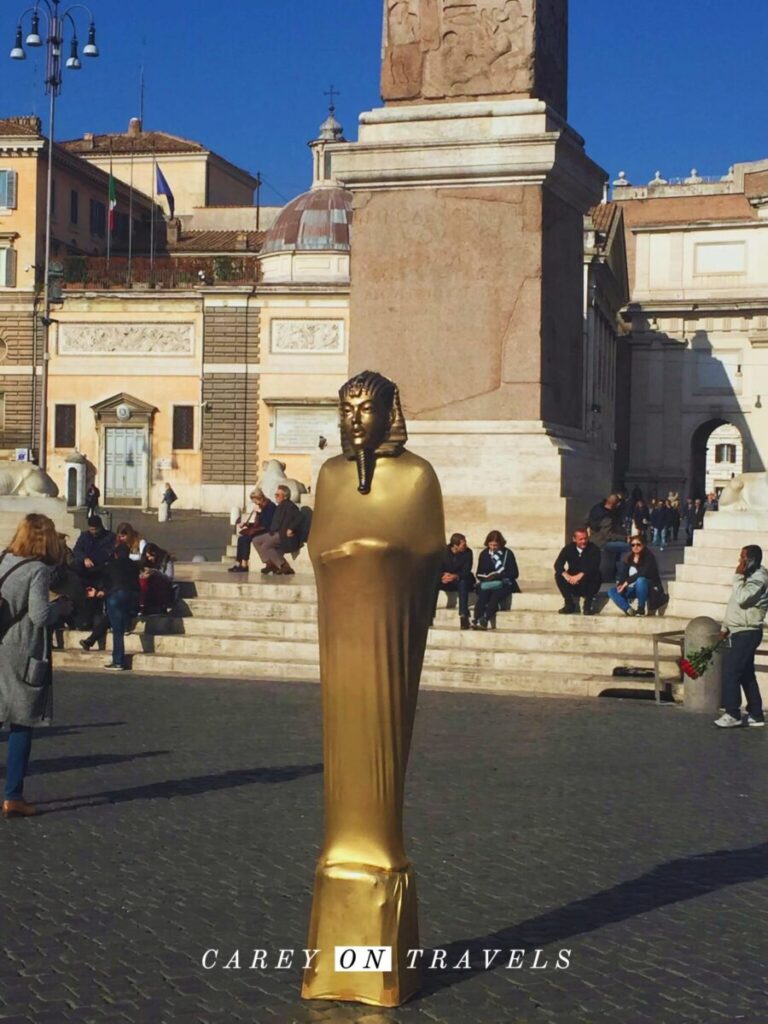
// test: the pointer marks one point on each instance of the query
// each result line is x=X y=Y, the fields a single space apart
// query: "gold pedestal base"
x=361 y=906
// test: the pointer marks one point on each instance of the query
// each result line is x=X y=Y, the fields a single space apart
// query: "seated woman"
x=132 y=539
x=637 y=577
x=497 y=574
x=155 y=581
x=250 y=525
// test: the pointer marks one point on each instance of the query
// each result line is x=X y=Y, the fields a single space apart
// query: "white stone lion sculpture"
x=747 y=492
x=25 y=480
x=274 y=476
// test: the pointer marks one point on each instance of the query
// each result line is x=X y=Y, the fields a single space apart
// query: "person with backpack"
x=27 y=618
x=169 y=496
x=743 y=625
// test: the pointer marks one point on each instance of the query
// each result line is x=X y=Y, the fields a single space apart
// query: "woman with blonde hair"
x=26 y=619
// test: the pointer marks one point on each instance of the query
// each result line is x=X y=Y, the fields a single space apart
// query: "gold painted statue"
x=376 y=542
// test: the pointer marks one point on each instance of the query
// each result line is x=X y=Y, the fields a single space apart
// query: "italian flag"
x=112 y=204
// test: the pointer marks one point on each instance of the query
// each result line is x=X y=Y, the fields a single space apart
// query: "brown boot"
x=18 y=809
x=270 y=567
x=286 y=570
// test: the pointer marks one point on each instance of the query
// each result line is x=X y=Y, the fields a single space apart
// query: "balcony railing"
x=95 y=272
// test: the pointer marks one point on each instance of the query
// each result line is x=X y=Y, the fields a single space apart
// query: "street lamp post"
x=56 y=20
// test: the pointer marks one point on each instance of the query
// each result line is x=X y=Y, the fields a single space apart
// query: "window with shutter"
x=8 y=189
x=74 y=206
x=183 y=426
x=8 y=268
x=64 y=426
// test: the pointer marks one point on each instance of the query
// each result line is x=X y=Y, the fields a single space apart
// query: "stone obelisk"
x=467 y=275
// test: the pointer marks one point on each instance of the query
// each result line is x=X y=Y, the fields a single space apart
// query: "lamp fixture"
x=73 y=62
x=758 y=403
x=17 y=53
x=91 y=49
x=33 y=39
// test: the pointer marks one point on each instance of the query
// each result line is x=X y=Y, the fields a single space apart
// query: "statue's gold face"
x=364 y=421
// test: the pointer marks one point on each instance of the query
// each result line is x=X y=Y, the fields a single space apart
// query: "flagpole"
x=109 y=210
x=152 y=228
x=130 y=217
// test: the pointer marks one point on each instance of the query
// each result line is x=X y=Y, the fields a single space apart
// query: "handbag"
x=252 y=530
x=491 y=584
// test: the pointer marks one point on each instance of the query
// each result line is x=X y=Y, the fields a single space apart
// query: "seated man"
x=577 y=573
x=456 y=574
x=284 y=535
x=93 y=549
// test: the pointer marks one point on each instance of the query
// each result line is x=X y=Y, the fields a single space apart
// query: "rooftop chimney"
x=134 y=126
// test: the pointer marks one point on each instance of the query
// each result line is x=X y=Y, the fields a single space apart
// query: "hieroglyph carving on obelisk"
x=465 y=49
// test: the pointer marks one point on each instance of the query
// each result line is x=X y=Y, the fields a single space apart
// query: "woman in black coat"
x=497 y=574
x=637 y=579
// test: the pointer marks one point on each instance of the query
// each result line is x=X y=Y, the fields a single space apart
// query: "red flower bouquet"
x=697 y=663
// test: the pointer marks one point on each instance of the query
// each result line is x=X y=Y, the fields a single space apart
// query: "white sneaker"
x=758 y=723
x=727 y=721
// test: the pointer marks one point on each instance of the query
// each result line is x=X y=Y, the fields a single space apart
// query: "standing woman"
x=28 y=616
x=743 y=620
x=497 y=574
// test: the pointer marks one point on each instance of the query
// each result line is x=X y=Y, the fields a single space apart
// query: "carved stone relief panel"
x=296 y=336
x=460 y=49
x=126 y=339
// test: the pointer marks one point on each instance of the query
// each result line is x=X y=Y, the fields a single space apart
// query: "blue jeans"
x=659 y=535
x=639 y=589
x=463 y=585
x=121 y=607
x=17 y=760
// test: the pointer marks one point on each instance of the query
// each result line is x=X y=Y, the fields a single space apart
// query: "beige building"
x=698 y=262
x=234 y=356
x=197 y=176
x=79 y=227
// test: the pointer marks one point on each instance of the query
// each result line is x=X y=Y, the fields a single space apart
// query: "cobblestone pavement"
x=186 y=815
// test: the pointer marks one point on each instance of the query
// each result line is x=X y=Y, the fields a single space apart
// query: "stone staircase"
x=251 y=627
x=703 y=581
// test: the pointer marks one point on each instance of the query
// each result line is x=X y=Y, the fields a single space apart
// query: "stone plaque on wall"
x=299 y=428
x=465 y=49
x=296 y=336
x=126 y=339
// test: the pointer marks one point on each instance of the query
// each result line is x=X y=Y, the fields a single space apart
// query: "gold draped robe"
x=376 y=559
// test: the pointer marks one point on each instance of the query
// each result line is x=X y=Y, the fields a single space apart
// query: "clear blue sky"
x=669 y=84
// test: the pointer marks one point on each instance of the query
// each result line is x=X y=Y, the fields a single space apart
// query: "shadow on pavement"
x=674 y=882
x=187 y=787
x=65 y=764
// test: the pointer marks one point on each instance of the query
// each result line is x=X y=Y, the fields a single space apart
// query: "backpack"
x=6 y=619
x=305 y=525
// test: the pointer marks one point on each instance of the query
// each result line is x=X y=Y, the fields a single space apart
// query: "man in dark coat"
x=577 y=573
x=93 y=550
x=284 y=536
x=456 y=574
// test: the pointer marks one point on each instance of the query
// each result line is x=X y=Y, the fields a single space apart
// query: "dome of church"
x=317 y=220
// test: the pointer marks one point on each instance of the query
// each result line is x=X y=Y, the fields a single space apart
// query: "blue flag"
x=164 y=189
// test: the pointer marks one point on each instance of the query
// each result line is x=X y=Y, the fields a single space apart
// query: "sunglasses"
x=635 y=545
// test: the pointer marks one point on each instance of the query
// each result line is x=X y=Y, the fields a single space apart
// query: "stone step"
x=726 y=558
x=710 y=537
x=544 y=614
x=263 y=652
x=569 y=684
x=705 y=575
x=690 y=609
x=709 y=592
